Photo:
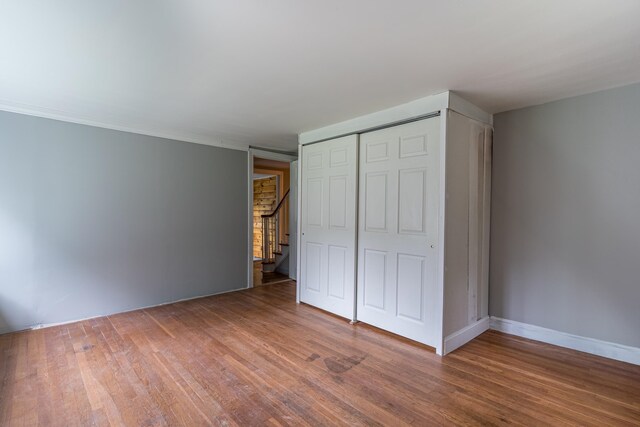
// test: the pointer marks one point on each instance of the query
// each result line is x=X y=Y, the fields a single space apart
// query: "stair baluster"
x=275 y=232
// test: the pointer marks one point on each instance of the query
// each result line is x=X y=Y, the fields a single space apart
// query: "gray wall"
x=95 y=221
x=565 y=236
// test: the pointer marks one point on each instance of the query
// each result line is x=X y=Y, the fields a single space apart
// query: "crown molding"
x=48 y=113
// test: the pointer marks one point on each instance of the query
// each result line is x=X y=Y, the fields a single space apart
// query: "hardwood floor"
x=261 y=279
x=256 y=358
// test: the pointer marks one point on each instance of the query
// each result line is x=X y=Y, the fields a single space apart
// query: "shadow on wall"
x=4 y=324
x=12 y=315
x=16 y=265
x=7 y=389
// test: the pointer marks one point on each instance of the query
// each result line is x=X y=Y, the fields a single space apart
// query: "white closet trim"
x=466 y=334
x=411 y=110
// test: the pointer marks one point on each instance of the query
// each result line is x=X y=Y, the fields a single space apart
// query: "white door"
x=398 y=229
x=328 y=225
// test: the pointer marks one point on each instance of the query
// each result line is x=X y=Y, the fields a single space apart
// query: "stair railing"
x=274 y=230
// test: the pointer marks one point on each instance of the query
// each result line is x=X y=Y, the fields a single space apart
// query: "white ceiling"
x=256 y=72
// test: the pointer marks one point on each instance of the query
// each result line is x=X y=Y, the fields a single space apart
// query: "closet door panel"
x=374 y=279
x=398 y=229
x=328 y=225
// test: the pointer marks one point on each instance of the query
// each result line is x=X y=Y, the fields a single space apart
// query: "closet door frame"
x=439 y=309
x=467 y=230
x=439 y=296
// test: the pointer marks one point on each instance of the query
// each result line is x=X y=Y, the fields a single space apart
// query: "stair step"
x=268 y=262
x=284 y=244
x=277 y=253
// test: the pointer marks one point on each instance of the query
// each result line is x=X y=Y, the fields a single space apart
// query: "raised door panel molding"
x=314 y=161
x=338 y=157
x=410 y=290
x=313 y=266
x=338 y=202
x=337 y=271
x=376 y=197
x=314 y=202
x=375 y=277
x=413 y=146
x=377 y=151
x=412 y=195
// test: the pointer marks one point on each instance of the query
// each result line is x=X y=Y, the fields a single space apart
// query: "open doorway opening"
x=271 y=225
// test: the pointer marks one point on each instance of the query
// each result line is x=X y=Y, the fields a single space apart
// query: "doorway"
x=271 y=246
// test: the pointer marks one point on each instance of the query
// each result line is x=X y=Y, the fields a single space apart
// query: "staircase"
x=275 y=236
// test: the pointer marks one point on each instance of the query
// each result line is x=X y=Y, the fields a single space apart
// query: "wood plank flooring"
x=256 y=358
x=261 y=279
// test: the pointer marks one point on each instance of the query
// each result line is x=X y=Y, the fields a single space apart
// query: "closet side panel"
x=456 y=276
x=483 y=302
x=466 y=229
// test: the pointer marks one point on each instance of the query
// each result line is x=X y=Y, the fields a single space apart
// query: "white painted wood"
x=477 y=201
x=475 y=144
x=293 y=224
x=466 y=108
x=403 y=112
x=456 y=262
x=466 y=228
x=398 y=229
x=328 y=225
x=385 y=209
x=466 y=334
x=486 y=222
x=272 y=155
x=442 y=198
x=588 y=345
x=249 y=219
x=299 y=223
x=467 y=200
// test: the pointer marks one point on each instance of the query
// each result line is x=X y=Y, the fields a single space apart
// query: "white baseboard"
x=550 y=336
x=67 y=322
x=466 y=334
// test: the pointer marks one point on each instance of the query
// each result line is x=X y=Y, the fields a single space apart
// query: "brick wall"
x=264 y=202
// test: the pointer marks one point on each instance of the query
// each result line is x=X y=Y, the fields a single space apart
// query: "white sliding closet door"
x=328 y=225
x=398 y=229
